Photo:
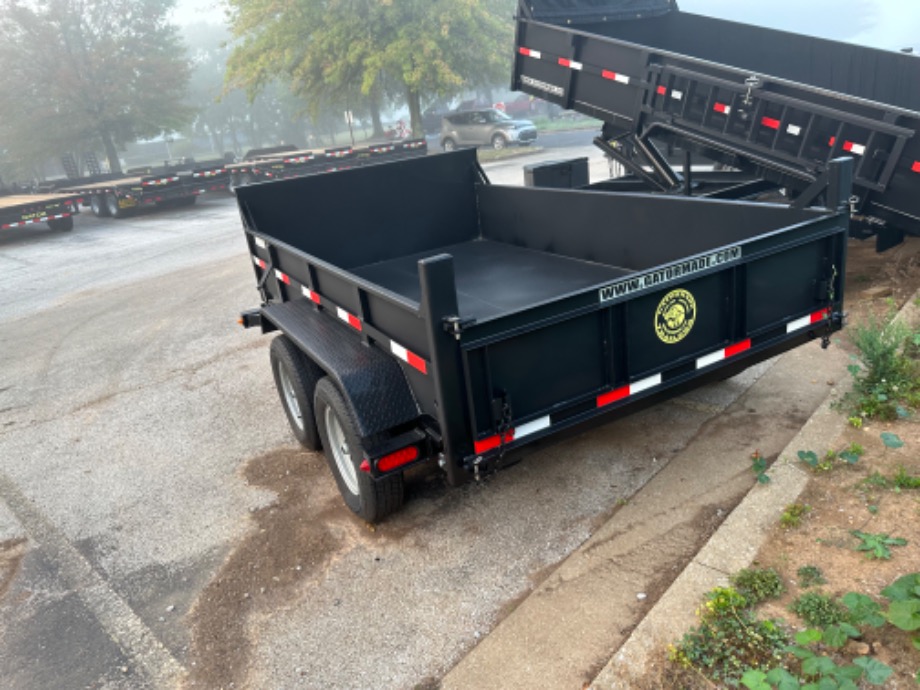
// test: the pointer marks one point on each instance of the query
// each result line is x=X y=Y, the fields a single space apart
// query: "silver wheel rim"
x=290 y=400
x=340 y=451
x=499 y=143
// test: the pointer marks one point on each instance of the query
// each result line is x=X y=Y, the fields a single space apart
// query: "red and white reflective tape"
x=523 y=430
x=850 y=147
x=805 y=321
x=310 y=295
x=299 y=159
x=415 y=144
x=259 y=262
x=338 y=154
x=408 y=357
x=348 y=318
x=794 y=130
x=283 y=277
x=770 y=122
x=162 y=180
x=209 y=173
x=614 y=76
x=724 y=353
x=32 y=221
x=916 y=167
x=723 y=108
x=383 y=149
x=625 y=391
x=677 y=95
x=535 y=54
x=571 y=64
x=662 y=90
x=260 y=242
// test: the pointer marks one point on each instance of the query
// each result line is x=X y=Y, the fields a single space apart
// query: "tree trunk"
x=415 y=112
x=110 y=151
x=373 y=101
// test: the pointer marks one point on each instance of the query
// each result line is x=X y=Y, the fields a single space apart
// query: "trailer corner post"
x=839 y=184
x=439 y=302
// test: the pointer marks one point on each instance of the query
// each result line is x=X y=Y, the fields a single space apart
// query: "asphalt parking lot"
x=158 y=525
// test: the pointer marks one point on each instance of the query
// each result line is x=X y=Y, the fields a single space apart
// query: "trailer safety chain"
x=504 y=426
x=828 y=322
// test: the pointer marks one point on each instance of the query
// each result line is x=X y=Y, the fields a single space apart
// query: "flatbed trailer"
x=21 y=210
x=779 y=104
x=461 y=324
x=163 y=186
x=273 y=164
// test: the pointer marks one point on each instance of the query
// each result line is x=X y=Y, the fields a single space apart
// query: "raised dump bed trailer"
x=165 y=186
x=779 y=104
x=462 y=324
x=21 y=210
x=280 y=163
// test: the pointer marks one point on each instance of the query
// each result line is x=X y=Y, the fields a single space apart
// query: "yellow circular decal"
x=675 y=316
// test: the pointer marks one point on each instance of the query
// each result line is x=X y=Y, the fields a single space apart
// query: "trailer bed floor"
x=494 y=278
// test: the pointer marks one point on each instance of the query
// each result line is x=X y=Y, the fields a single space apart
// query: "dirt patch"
x=876 y=283
x=291 y=540
x=11 y=553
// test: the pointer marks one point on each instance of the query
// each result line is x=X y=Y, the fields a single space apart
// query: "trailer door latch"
x=455 y=325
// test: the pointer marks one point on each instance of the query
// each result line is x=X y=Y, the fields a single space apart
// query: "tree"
x=332 y=49
x=85 y=73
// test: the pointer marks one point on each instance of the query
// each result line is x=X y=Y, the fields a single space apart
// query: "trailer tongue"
x=777 y=105
x=462 y=324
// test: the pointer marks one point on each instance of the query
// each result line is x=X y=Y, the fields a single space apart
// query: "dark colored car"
x=484 y=127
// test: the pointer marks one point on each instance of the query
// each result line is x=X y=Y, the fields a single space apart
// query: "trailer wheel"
x=295 y=379
x=499 y=142
x=369 y=499
x=98 y=205
x=111 y=203
x=61 y=224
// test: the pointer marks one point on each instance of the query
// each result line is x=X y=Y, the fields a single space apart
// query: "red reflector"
x=607 y=74
x=832 y=141
x=314 y=297
x=565 y=62
x=662 y=90
x=738 y=347
x=848 y=146
x=770 y=122
x=613 y=396
x=487 y=444
x=417 y=362
x=365 y=466
x=397 y=459
x=720 y=108
x=916 y=167
x=819 y=316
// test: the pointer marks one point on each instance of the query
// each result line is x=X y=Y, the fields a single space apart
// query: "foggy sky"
x=890 y=24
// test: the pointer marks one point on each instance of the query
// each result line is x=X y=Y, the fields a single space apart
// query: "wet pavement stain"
x=11 y=553
x=292 y=539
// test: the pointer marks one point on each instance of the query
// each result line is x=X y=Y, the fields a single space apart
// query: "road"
x=158 y=526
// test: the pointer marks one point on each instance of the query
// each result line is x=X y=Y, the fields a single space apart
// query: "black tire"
x=98 y=205
x=61 y=224
x=369 y=499
x=449 y=145
x=114 y=209
x=295 y=378
x=499 y=141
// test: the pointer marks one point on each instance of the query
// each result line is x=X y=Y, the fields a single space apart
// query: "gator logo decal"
x=675 y=316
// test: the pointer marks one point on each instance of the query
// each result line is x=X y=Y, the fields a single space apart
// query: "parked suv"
x=484 y=127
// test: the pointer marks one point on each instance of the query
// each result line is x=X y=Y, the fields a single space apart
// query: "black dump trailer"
x=462 y=324
x=22 y=210
x=776 y=105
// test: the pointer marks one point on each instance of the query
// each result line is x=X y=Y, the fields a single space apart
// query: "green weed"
x=793 y=514
x=810 y=576
x=877 y=546
x=758 y=584
x=819 y=610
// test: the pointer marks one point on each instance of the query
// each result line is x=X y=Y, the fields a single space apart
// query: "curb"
x=733 y=547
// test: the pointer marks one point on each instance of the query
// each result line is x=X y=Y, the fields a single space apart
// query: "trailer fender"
x=373 y=382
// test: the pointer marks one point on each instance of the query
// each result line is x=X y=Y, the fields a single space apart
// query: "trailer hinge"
x=455 y=325
x=501 y=415
x=834 y=318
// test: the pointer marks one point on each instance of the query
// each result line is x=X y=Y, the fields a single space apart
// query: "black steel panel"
x=648 y=353
x=594 y=10
x=415 y=205
x=771 y=300
x=539 y=370
x=373 y=382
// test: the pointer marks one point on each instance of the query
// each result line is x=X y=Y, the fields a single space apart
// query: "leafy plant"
x=793 y=514
x=884 y=377
x=904 y=609
x=759 y=466
x=877 y=546
x=810 y=458
x=810 y=576
x=730 y=640
x=903 y=480
x=852 y=454
x=819 y=610
x=758 y=584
